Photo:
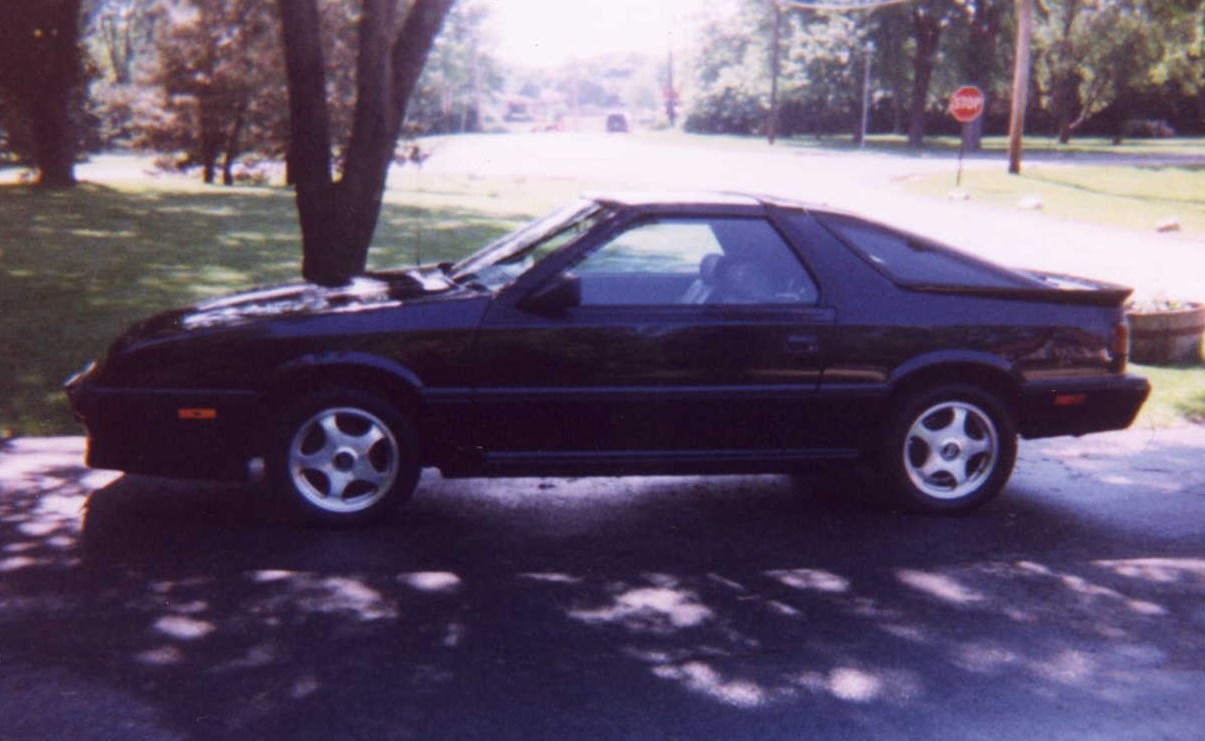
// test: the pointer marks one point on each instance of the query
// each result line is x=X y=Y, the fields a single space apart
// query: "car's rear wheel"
x=948 y=450
x=344 y=458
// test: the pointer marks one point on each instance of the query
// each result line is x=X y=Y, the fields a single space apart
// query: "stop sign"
x=966 y=104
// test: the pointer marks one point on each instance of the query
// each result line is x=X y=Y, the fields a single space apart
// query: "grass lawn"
x=1131 y=196
x=1177 y=393
x=78 y=266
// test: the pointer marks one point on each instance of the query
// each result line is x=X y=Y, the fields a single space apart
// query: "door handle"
x=803 y=344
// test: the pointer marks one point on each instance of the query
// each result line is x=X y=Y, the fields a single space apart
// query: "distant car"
x=617 y=123
x=625 y=334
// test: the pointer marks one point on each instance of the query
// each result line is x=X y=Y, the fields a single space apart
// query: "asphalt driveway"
x=640 y=608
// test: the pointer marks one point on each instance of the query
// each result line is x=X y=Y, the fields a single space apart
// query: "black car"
x=625 y=334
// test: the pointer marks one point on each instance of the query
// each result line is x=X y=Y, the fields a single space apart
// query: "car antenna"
x=417 y=157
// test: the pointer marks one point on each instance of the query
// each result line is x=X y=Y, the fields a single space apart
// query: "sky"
x=538 y=33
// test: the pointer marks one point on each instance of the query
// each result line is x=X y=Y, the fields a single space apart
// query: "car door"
x=693 y=334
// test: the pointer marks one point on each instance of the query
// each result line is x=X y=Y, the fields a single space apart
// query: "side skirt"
x=639 y=463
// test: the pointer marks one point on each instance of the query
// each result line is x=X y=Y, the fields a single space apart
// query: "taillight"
x=1120 y=347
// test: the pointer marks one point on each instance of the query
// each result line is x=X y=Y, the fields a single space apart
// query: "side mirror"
x=563 y=292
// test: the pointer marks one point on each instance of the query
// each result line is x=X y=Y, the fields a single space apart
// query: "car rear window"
x=910 y=260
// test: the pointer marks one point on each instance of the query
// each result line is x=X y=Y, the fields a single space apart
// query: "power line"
x=840 y=5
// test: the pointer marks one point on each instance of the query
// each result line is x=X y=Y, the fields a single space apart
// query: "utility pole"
x=865 y=123
x=671 y=96
x=772 y=116
x=1016 y=123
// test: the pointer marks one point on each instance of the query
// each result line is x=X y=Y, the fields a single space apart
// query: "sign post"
x=966 y=105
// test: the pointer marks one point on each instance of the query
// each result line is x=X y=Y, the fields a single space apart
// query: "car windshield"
x=505 y=259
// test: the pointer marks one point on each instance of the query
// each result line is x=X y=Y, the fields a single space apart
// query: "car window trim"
x=618 y=222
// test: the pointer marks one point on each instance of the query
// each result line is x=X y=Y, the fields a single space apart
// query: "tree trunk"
x=49 y=94
x=232 y=145
x=338 y=218
x=1122 y=108
x=54 y=138
x=1065 y=101
x=1065 y=93
x=210 y=136
x=309 y=141
x=927 y=28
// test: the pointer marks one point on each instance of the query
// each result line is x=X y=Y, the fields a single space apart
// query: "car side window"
x=695 y=261
x=913 y=261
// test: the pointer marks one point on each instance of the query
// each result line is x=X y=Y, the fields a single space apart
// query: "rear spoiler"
x=1051 y=288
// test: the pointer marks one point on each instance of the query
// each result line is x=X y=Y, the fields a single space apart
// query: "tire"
x=344 y=458
x=948 y=450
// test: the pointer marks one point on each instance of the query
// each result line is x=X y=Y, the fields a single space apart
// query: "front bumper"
x=1080 y=405
x=180 y=433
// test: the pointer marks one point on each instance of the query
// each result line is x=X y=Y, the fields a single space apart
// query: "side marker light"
x=1069 y=400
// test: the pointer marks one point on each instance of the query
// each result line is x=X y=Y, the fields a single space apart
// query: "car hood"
x=363 y=292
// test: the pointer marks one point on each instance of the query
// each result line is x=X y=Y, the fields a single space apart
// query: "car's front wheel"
x=948 y=450
x=344 y=458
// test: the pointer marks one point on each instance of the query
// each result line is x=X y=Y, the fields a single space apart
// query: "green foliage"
x=732 y=78
x=204 y=78
x=727 y=111
x=822 y=73
x=222 y=82
x=460 y=76
x=1177 y=394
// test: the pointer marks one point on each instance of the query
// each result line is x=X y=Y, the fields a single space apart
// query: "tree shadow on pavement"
x=591 y=608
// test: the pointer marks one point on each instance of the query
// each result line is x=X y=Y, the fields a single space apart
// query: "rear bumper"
x=1079 y=406
x=180 y=433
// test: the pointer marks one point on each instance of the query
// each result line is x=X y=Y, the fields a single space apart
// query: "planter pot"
x=1172 y=336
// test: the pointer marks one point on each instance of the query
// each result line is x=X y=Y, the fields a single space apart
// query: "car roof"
x=689 y=198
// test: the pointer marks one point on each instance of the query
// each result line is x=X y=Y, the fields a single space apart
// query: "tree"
x=733 y=78
x=459 y=75
x=338 y=217
x=929 y=18
x=121 y=33
x=218 y=66
x=41 y=74
x=1096 y=54
x=825 y=71
x=889 y=32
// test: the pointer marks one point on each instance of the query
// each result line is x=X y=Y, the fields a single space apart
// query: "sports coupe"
x=625 y=334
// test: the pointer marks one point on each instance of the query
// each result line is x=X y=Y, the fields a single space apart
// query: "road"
x=640 y=608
